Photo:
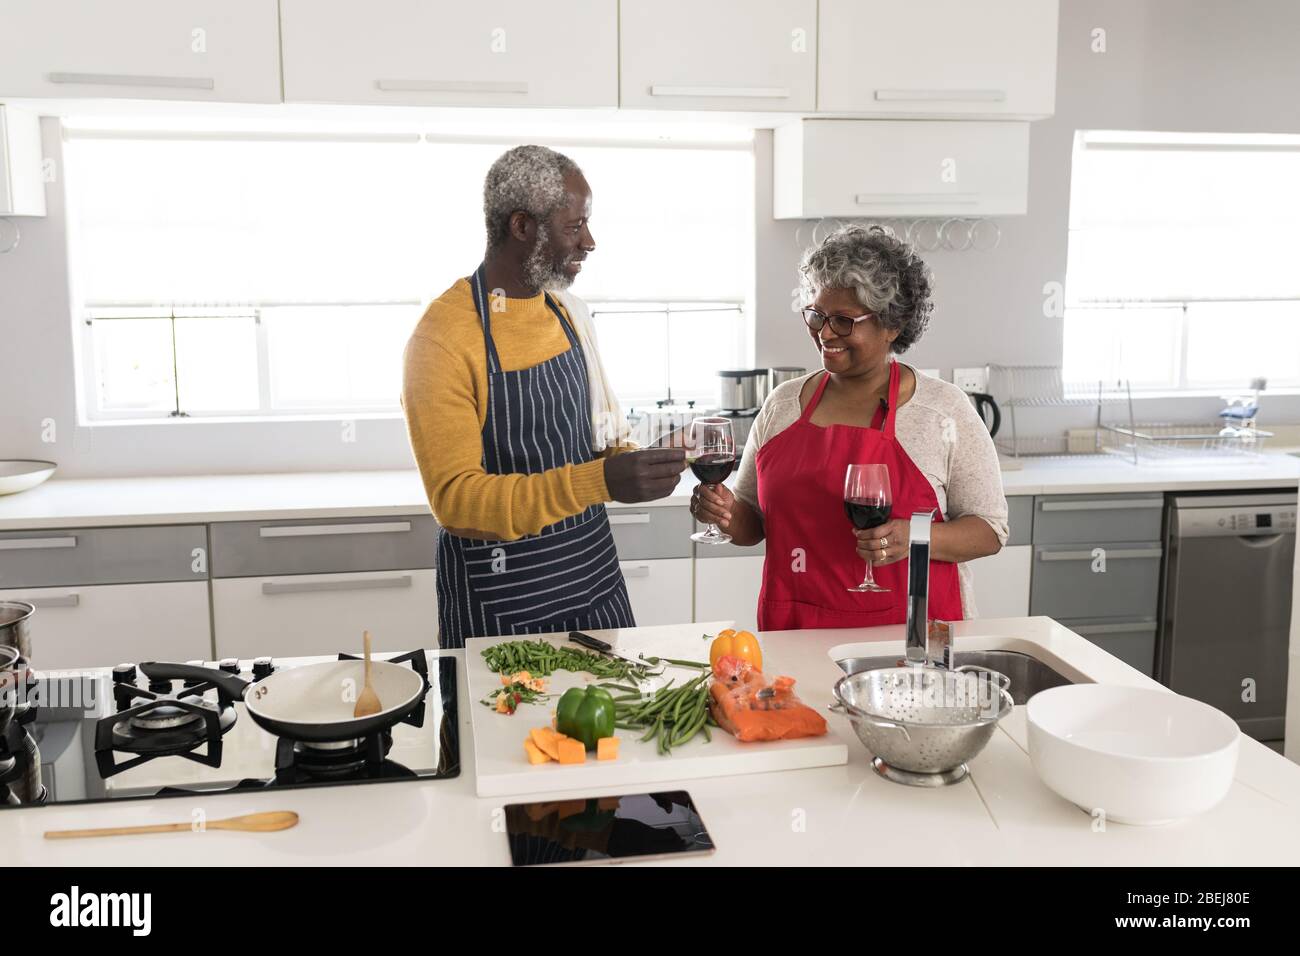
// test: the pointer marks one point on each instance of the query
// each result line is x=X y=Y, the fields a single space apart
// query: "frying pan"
x=312 y=702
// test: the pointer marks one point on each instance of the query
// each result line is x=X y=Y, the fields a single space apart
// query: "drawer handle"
x=1138 y=627
x=317 y=530
x=952 y=96
x=1112 y=554
x=1101 y=505
x=24 y=544
x=725 y=92
x=54 y=600
x=929 y=199
x=451 y=86
x=636 y=570
x=346 y=584
x=115 y=79
x=642 y=518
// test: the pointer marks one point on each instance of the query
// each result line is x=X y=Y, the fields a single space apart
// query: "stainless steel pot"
x=780 y=374
x=14 y=627
x=922 y=724
x=738 y=389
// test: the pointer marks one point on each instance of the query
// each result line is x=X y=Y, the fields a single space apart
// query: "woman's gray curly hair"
x=889 y=279
x=524 y=179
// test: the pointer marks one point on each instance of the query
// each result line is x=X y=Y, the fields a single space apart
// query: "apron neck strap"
x=892 y=402
x=478 y=288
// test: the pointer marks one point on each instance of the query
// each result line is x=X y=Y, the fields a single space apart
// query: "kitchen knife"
x=603 y=647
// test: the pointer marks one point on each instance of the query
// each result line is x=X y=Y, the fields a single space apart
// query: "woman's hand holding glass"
x=712 y=504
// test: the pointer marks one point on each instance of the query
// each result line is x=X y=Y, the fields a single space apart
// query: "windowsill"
x=1210 y=393
x=243 y=419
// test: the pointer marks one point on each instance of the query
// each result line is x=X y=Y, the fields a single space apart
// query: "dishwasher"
x=1225 y=610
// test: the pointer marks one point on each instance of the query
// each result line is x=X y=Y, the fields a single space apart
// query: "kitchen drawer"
x=728 y=590
x=1020 y=520
x=323 y=546
x=110 y=624
x=1092 y=519
x=1065 y=584
x=660 y=591
x=1132 y=641
x=298 y=615
x=79 y=556
x=648 y=533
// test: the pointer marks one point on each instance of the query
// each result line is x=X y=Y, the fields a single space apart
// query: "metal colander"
x=923 y=723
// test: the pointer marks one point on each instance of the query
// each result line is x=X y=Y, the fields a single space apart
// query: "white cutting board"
x=502 y=768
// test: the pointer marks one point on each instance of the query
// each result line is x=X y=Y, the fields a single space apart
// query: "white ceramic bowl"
x=19 y=475
x=1142 y=756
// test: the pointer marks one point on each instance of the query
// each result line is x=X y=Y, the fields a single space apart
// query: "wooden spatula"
x=250 y=823
x=368 y=701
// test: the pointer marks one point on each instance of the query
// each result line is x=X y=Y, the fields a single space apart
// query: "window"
x=262 y=274
x=1181 y=270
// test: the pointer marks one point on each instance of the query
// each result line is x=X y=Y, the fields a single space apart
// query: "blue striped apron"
x=566 y=577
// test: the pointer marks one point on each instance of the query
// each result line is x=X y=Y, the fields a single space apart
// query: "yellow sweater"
x=444 y=395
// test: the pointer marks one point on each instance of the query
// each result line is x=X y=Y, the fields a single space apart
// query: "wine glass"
x=867 y=500
x=711 y=453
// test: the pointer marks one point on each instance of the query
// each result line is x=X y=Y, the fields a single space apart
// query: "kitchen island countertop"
x=846 y=814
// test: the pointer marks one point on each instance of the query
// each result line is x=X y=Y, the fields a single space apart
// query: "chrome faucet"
x=918 y=587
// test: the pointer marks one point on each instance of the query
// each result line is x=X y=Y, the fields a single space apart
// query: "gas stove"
x=102 y=734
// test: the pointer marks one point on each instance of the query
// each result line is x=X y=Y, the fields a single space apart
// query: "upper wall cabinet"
x=938 y=58
x=222 y=50
x=885 y=168
x=718 y=54
x=423 y=53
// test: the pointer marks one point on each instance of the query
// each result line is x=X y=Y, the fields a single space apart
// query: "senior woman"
x=870 y=300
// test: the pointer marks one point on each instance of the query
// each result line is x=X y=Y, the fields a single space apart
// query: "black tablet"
x=638 y=826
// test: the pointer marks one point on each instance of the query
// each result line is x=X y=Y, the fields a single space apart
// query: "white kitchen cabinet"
x=660 y=590
x=718 y=55
x=416 y=52
x=22 y=183
x=851 y=168
x=109 y=624
x=938 y=58
x=727 y=589
x=223 y=50
x=1001 y=582
x=304 y=614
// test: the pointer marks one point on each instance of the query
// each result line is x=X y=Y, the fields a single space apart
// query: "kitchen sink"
x=1028 y=675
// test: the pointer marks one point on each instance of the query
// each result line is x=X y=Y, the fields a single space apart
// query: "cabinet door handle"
x=929 y=199
x=642 y=518
x=24 y=544
x=121 y=79
x=1137 y=627
x=1097 y=505
x=725 y=92
x=636 y=570
x=1112 y=554
x=341 y=584
x=54 y=600
x=318 y=530
x=451 y=86
x=950 y=96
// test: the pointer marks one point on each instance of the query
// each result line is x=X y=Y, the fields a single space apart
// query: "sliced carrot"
x=571 y=751
x=535 y=755
x=607 y=748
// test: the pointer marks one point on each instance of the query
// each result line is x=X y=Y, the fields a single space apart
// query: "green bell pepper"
x=585 y=715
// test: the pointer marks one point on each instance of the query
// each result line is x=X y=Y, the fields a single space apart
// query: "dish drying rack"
x=1044 y=386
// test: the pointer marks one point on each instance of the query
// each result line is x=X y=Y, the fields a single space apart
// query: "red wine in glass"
x=711 y=453
x=714 y=467
x=867 y=502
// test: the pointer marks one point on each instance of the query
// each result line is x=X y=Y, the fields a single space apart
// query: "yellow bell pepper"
x=740 y=644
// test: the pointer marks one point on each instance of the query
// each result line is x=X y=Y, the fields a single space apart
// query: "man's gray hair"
x=524 y=179
x=889 y=279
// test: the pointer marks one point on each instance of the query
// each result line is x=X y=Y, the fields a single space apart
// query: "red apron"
x=812 y=557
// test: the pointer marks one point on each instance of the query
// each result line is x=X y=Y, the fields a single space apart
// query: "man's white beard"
x=540 y=270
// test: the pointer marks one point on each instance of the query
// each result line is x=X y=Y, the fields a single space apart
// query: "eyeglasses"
x=840 y=324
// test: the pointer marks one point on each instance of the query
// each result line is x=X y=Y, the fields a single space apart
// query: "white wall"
x=1194 y=65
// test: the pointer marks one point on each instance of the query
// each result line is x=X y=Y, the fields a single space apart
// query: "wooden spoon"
x=368 y=701
x=250 y=823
